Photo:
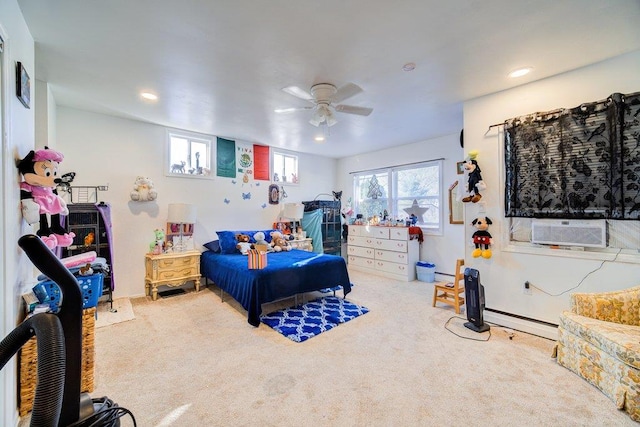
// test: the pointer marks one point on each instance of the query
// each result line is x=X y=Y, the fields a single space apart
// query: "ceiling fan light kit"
x=324 y=96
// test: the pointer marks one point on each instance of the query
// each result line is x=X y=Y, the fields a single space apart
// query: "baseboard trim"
x=521 y=323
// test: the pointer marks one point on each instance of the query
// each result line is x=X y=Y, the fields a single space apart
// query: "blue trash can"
x=426 y=271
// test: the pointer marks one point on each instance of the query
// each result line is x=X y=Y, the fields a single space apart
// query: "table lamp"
x=294 y=211
x=181 y=213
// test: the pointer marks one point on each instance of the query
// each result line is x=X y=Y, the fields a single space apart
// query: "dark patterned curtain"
x=580 y=163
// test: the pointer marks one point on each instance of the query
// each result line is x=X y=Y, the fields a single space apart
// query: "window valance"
x=580 y=163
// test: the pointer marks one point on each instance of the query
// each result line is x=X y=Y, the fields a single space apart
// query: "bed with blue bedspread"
x=286 y=274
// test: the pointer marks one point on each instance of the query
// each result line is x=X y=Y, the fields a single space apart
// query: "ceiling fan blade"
x=351 y=109
x=291 y=110
x=298 y=93
x=346 y=91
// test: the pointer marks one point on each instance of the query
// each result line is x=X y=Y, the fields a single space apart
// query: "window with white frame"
x=188 y=155
x=399 y=192
x=284 y=168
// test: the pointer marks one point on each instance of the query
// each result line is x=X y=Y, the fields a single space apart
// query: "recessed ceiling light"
x=409 y=66
x=319 y=139
x=520 y=72
x=149 y=96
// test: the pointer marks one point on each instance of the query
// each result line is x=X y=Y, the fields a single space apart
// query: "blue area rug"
x=313 y=318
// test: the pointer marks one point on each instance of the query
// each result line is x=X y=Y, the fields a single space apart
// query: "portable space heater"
x=474 y=299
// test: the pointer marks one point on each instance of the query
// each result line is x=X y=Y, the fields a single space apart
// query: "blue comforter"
x=286 y=274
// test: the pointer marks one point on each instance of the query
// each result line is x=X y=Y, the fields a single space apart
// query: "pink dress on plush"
x=49 y=202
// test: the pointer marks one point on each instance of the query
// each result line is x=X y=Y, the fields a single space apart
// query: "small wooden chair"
x=449 y=292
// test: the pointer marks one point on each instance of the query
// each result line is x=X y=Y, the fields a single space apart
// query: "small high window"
x=285 y=168
x=189 y=155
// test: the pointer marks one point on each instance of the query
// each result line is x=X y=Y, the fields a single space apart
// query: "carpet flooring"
x=192 y=360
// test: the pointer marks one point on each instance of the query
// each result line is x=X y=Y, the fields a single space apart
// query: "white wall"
x=441 y=250
x=17 y=140
x=107 y=150
x=504 y=274
x=45 y=116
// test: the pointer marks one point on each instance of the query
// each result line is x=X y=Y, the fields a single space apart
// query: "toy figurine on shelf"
x=89 y=238
x=157 y=246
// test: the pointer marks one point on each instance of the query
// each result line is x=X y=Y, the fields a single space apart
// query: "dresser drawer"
x=366 y=252
x=392 y=267
x=397 y=257
x=360 y=241
x=399 y=233
x=169 y=263
x=361 y=262
x=176 y=273
x=380 y=232
x=391 y=245
x=354 y=230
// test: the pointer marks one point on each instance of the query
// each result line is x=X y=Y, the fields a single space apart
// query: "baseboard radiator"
x=521 y=323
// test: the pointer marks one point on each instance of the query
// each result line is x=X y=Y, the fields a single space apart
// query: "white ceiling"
x=219 y=67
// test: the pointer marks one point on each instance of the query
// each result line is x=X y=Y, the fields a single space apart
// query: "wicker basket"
x=28 y=366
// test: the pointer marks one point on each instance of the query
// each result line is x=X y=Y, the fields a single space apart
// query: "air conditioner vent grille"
x=571 y=233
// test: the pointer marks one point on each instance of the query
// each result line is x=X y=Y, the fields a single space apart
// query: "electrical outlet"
x=526 y=288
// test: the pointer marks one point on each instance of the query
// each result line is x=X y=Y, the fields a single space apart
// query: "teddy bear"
x=243 y=243
x=39 y=199
x=143 y=190
x=279 y=243
x=481 y=237
x=259 y=237
x=474 y=181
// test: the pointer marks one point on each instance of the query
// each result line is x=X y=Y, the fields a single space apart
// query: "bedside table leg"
x=197 y=284
x=154 y=292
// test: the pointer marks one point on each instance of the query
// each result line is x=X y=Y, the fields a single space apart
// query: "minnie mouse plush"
x=39 y=198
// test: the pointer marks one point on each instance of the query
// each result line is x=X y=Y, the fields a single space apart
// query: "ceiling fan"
x=325 y=96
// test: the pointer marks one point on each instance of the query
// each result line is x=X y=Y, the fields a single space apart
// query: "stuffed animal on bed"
x=279 y=243
x=39 y=198
x=243 y=243
x=259 y=237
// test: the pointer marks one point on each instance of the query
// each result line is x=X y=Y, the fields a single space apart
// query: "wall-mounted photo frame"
x=456 y=207
x=460 y=167
x=23 y=85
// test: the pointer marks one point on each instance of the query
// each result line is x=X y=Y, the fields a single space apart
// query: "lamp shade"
x=293 y=210
x=182 y=213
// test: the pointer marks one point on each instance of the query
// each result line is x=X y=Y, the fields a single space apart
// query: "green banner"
x=226 y=158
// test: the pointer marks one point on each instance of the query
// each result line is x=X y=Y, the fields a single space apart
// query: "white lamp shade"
x=182 y=213
x=293 y=210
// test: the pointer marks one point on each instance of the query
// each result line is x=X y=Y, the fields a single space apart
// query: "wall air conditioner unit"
x=587 y=233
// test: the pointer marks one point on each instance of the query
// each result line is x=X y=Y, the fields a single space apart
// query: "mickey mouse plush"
x=482 y=238
x=39 y=198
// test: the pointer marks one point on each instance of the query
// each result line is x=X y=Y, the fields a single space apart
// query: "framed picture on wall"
x=23 y=85
x=460 y=167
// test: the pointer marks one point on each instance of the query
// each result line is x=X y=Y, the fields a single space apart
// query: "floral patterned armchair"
x=599 y=339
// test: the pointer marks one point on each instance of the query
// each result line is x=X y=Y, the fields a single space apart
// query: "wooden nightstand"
x=302 y=244
x=172 y=269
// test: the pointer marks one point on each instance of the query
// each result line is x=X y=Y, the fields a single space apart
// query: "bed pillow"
x=228 y=242
x=213 y=246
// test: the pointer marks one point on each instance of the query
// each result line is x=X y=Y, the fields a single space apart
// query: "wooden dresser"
x=172 y=269
x=386 y=251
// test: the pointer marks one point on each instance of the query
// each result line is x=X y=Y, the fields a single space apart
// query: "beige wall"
x=105 y=150
x=504 y=274
x=444 y=249
x=18 y=127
